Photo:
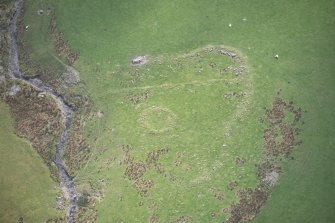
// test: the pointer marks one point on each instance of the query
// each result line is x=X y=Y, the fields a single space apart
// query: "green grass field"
x=40 y=48
x=26 y=188
x=185 y=111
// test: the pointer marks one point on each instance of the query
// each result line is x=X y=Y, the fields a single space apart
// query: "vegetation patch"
x=78 y=150
x=6 y=12
x=280 y=137
x=137 y=98
x=38 y=119
x=251 y=200
x=61 y=46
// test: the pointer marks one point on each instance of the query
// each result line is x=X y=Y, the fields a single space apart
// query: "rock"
x=137 y=60
x=60 y=203
x=41 y=95
x=271 y=178
x=71 y=76
x=223 y=51
x=40 y=12
x=1 y=69
x=100 y=114
x=14 y=89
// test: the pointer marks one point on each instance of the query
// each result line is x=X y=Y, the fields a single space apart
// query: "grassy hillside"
x=109 y=33
x=26 y=188
x=172 y=121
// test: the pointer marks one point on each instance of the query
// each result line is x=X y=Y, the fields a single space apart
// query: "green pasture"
x=26 y=188
x=188 y=107
x=37 y=44
x=186 y=112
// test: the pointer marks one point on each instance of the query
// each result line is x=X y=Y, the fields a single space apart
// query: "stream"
x=67 y=184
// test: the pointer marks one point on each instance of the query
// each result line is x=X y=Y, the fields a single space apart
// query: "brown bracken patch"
x=249 y=205
x=287 y=131
x=143 y=186
x=153 y=157
x=280 y=138
x=61 y=46
x=37 y=119
x=135 y=170
x=87 y=215
x=78 y=151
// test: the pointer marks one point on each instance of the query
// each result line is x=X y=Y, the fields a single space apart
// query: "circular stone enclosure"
x=157 y=120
